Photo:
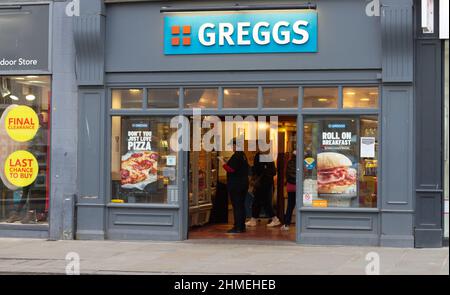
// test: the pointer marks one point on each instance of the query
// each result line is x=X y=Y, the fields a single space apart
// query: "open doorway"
x=210 y=208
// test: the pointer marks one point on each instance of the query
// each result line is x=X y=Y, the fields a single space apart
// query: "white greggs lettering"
x=280 y=33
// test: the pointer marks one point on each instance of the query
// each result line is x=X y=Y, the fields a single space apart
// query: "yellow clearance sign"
x=22 y=123
x=21 y=168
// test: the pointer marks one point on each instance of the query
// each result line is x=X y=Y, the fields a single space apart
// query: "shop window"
x=127 y=98
x=24 y=149
x=240 y=97
x=360 y=97
x=315 y=97
x=200 y=98
x=280 y=97
x=340 y=162
x=143 y=166
x=163 y=98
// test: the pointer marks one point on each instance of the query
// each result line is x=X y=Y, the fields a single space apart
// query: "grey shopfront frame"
x=307 y=217
x=391 y=224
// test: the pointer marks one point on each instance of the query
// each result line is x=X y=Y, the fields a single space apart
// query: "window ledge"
x=143 y=206
x=338 y=209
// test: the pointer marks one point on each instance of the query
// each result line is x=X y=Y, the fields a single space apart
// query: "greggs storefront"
x=320 y=86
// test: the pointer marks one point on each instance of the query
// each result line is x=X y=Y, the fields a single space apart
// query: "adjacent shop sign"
x=22 y=123
x=21 y=168
x=18 y=127
x=252 y=32
x=24 y=38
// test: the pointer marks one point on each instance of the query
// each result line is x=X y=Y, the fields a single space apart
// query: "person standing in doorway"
x=263 y=174
x=237 y=185
x=291 y=187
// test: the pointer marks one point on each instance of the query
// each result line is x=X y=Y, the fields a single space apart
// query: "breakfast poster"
x=337 y=158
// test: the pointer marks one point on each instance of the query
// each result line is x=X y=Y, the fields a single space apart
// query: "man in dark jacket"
x=237 y=186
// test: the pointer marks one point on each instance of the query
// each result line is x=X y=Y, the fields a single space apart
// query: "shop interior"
x=29 y=204
x=210 y=210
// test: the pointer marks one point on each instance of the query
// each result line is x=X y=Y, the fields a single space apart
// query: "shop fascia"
x=247 y=131
x=18 y=62
x=262 y=33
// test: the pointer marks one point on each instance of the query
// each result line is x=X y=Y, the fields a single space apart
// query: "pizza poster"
x=139 y=161
x=136 y=135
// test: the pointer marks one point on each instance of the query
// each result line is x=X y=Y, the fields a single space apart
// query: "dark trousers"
x=263 y=199
x=290 y=208
x=237 y=196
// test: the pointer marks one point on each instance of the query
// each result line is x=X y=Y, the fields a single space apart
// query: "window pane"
x=340 y=162
x=163 y=98
x=143 y=166
x=280 y=97
x=24 y=197
x=314 y=97
x=240 y=98
x=361 y=97
x=200 y=98
x=127 y=99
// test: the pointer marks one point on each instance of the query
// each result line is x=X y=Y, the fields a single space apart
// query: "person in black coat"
x=237 y=185
x=263 y=174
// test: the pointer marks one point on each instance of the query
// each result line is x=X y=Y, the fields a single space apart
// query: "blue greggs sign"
x=251 y=32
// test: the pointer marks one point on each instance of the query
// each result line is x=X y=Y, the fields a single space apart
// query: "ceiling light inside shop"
x=19 y=78
x=350 y=93
x=135 y=90
x=373 y=93
x=30 y=97
x=364 y=99
x=226 y=91
x=13 y=97
x=32 y=77
x=323 y=99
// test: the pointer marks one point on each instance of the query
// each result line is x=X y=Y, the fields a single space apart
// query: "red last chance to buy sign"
x=21 y=168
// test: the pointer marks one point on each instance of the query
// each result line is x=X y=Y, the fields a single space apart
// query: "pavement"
x=222 y=257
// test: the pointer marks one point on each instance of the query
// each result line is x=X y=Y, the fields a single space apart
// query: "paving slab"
x=32 y=256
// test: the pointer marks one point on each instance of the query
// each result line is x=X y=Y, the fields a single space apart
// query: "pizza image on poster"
x=138 y=169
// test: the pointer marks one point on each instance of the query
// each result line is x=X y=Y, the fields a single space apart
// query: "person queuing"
x=237 y=185
x=263 y=174
x=291 y=179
